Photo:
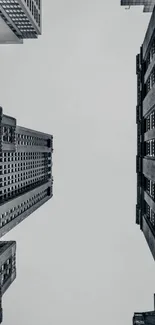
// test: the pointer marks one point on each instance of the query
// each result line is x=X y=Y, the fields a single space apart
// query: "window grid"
x=19 y=18
x=150 y=122
x=10 y=25
x=150 y=144
x=22 y=171
x=150 y=188
x=8 y=134
x=7 y=268
x=150 y=215
x=150 y=148
x=152 y=117
x=30 y=140
x=17 y=210
x=34 y=7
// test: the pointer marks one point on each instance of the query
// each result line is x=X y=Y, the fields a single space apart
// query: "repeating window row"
x=15 y=12
x=7 y=269
x=8 y=134
x=23 y=166
x=150 y=122
x=150 y=188
x=13 y=213
x=150 y=215
x=150 y=54
x=21 y=187
x=30 y=140
x=6 y=274
x=33 y=7
x=150 y=81
x=9 y=1
x=150 y=148
x=23 y=175
x=19 y=181
x=22 y=156
x=29 y=3
x=34 y=170
x=21 y=184
x=9 y=24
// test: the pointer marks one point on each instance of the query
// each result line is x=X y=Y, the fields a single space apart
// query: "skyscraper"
x=148 y=4
x=7 y=268
x=144 y=318
x=19 y=19
x=25 y=171
x=145 y=211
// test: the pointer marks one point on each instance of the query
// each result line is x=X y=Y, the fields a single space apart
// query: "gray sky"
x=81 y=260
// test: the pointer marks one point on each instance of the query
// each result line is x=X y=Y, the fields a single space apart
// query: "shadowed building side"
x=145 y=69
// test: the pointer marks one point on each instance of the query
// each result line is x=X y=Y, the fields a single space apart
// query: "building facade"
x=19 y=19
x=145 y=318
x=148 y=4
x=26 y=180
x=145 y=66
x=7 y=264
x=7 y=268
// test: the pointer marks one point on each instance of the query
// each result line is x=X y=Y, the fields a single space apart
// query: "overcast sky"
x=81 y=260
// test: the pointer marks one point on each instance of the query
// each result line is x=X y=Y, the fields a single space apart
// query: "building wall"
x=145 y=215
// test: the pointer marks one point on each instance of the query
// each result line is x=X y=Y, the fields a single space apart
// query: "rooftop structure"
x=148 y=4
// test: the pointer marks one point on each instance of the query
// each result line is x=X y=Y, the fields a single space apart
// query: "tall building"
x=7 y=268
x=145 y=66
x=148 y=4
x=145 y=318
x=25 y=171
x=19 y=19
